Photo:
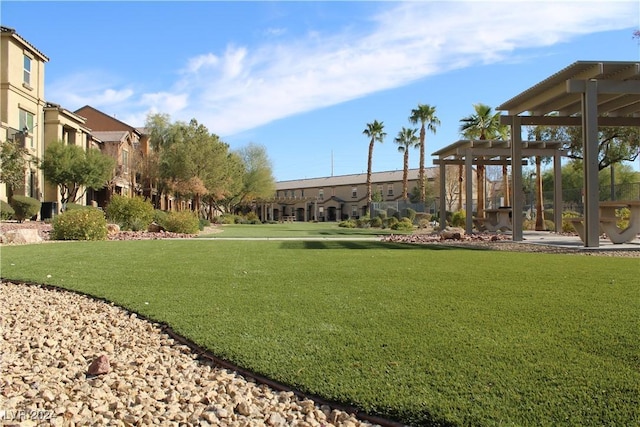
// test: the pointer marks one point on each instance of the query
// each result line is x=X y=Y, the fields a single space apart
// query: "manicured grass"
x=297 y=229
x=426 y=335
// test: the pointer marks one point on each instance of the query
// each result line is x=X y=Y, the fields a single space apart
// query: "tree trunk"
x=405 y=175
x=421 y=171
x=369 y=167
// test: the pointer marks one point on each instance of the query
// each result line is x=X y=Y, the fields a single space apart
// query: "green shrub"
x=80 y=224
x=375 y=222
x=363 y=222
x=225 y=219
x=549 y=225
x=182 y=222
x=202 y=223
x=422 y=219
x=73 y=206
x=6 y=211
x=348 y=223
x=159 y=217
x=567 y=227
x=459 y=218
x=390 y=222
x=24 y=207
x=411 y=214
x=130 y=213
x=405 y=224
x=382 y=214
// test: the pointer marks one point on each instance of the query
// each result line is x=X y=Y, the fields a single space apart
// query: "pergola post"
x=557 y=192
x=516 y=171
x=590 y=149
x=468 y=176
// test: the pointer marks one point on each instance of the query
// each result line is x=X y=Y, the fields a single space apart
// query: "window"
x=354 y=191
x=26 y=124
x=354 y=211
x=125 y=161
x=390 y=189
x=27 y=71
x=321 y=194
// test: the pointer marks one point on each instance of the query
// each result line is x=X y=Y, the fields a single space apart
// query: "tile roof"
x=14 y=33
x=111 y=136
x=354 y=179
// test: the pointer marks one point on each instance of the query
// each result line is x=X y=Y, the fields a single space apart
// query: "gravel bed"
x=50 y=338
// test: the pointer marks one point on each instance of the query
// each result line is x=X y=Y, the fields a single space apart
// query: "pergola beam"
x=571 y=121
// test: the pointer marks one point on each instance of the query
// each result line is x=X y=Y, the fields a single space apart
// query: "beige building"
x=335 y=198
x=63 y=125
x=22 y=105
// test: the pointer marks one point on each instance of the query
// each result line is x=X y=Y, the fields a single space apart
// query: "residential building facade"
x=335 y=198
x=63 y=125
x=120 y=141
x=22 y=102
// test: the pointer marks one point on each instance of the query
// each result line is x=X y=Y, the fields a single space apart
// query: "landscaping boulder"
x=113 y=229
x=452 y=233
x=99 y=366
x=22 y=235
x=155 y=228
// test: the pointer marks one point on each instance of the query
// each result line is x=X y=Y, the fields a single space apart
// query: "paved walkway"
x=571 y=241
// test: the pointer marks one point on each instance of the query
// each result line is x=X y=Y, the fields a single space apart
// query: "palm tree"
x=375 y=131
x=406 y=139
x=483 y=124
x=425 y=115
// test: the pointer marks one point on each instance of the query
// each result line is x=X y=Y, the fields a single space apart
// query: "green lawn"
x=425 y=335
x=297 y=229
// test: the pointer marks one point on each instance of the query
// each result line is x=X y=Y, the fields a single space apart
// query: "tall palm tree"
x=483 y=124
x=375 y=131
x=406 y=139
x=425 y=115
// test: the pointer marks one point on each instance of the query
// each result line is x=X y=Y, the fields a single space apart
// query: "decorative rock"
x=155 y=228
x=113 y=229
x=181 y=389
x=22 y=236
x=99 y=366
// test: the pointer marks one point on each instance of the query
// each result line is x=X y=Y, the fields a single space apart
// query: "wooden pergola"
x=491 y=152
x=588 y=94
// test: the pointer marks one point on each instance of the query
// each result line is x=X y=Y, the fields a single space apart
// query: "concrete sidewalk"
x=573 y=241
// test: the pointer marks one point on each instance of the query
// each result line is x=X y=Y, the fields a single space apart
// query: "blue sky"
x=304 y=78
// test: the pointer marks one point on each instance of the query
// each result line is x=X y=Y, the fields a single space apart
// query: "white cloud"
x=89 y=88
x=245 y=87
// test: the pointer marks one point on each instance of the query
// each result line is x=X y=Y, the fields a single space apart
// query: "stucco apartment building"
x=334 y=198
x=22 y=104
x=27 y=118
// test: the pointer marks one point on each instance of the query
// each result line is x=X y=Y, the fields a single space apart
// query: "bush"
x=376 y=222
x=130 y=213
x=411 y=214
x=80 y=224
x=159 y=217
x=363 y=222
x=6 y=211
x=390 y=222
x=423 y=220
x=24 y=207
x=348 y=223
x=74 y=206
x=202 y=223
x=225 y=219
x=405 y=224
x=459 y=218
x=382 y=214
x=185 y=222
